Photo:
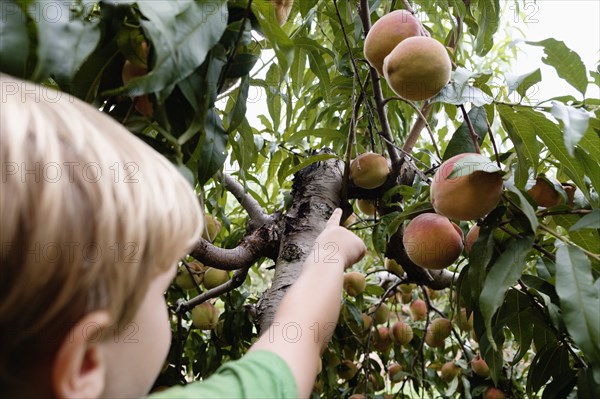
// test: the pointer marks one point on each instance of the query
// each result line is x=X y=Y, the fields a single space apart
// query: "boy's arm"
x=308 y=313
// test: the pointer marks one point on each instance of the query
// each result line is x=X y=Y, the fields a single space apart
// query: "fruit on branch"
x=440 y=328
x=350 y=220
x=347 y=369
x=367 y=207
x=381 y=314
x=212 y=227
x=402 y=333
x=394 y=372
x=432 y=241
x=466 y=187
x=357 y=396
x=407 y=288
x=369 y=170
x=184 y=280
x=386 y=33
x=393 y=267
x=418 y=68
x=462 y=321
x=366 y=320
x=418 y=310
x=493 y=393
x=283 y=8
x=354 y=283
x=205 y=316
x=138 y=69
x=437 y=332
x=382 y=339
x=480 y=367
x=433 y=294
x=215 y=277
x=471 y=237
x=545 y=192
x=449 y=371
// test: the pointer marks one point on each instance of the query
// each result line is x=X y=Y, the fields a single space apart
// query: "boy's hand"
x=339 y=244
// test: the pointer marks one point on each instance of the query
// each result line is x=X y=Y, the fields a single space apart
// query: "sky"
x=575 y=22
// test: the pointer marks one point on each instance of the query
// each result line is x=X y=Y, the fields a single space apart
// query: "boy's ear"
x=79 y=368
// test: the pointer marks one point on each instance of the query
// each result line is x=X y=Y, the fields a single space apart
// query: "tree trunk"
x=315 y=194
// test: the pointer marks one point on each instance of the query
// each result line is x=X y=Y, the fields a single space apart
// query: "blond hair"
x=90 y=214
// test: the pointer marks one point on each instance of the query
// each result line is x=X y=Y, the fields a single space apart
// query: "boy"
x=92 y=224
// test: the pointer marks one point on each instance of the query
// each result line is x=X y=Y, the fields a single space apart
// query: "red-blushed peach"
x=354 y=283
x=449 y=371
x=545 y=192
x=432 y=241
x=386 y=34
x=480 y=367
x=471 y=237
x=418 y=310
x=466 y=187
x=205 y=316
x=418 y=68
x=493 y=393
x=402 y=333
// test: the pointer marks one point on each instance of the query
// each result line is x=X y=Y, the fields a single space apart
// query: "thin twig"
x=493 y=140
x=474 y=135
x=365 y=16
x=567 y=241
x=255 y=211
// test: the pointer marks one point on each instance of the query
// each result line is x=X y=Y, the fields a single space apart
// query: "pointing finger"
x=335 y=218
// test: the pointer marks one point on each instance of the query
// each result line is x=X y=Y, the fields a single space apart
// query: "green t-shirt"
x=257 y=375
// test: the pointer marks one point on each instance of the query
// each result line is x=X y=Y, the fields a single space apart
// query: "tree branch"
x=263 y=241
x=415 y=131
x=239 y=276
x=256 y=213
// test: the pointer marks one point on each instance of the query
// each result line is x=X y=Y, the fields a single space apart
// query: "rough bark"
x=316 y=193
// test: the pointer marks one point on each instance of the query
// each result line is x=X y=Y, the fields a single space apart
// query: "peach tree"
x=263 y=106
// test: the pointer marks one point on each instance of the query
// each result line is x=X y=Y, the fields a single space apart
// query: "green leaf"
x=578 y=299
x=522 y=83
x=182 y=33
x=574 y=121
x=323 y=133
x=306 y=162
x=551 y=135
x=589 y=221
x=454 y=94
x=488 y=20
x=14 y=40
x=64 y=42
x=521 y=133
x=525 y=206
x=281 y=43
x=567 y=63
x=210 y=155
x=461 y=139
x=502 y=275
x=521 y=326
x=238 y=113
x=472 y=163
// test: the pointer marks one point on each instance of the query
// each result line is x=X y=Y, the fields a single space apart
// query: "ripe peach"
x=480 y=367
x=382 y=314
x=544 y=192
x=392 y=266
x=205 y=316
x=367 y=207
x=394 y=371
x=215 y=277
x=357 y=396
x=493 y=393
x=212 y=227
x=437 y=332
x=418 y=309
x=137 y=69
x=369 y=170
x=349 y=221
x=471 y=237
x=382 y=339
x=354 y=283
x=386 y=33
x=468 y=194
x=464 y=323
x=283 y=8
x=449 y=371
x=418 y=68
x=432 y=241
x=402 y=333
x=366 y=320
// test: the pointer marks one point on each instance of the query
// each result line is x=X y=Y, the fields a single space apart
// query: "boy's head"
x=92 y=223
